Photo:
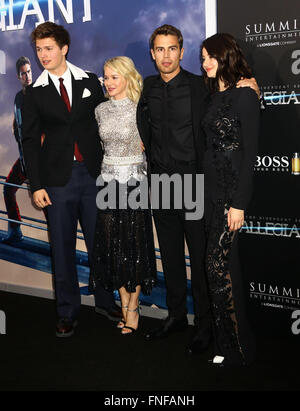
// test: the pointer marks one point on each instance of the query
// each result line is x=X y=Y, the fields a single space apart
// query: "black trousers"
x=76 y=201
x=172 y=229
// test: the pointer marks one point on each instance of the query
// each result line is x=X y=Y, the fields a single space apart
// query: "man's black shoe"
x=65 y=327
x=199 y=343
x=112 y=313
x=170 y=325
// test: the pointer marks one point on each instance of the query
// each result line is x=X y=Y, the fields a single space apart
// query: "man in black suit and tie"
x=62 y=172
x=169 y=120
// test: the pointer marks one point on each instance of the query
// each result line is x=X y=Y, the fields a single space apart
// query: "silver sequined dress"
x=121 y=141
x=124 y=252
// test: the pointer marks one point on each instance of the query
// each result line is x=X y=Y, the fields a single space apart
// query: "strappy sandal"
x=132 y=330
x=122 y=322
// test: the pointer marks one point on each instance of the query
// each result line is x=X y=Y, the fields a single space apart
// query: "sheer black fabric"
x=124 y=254
x=231 y=126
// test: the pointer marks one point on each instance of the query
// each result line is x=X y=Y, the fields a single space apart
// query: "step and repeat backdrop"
x=269 y=33
x=99 y=30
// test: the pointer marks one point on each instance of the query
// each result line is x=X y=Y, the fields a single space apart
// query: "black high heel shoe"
x=119 y=325
x=127 y=327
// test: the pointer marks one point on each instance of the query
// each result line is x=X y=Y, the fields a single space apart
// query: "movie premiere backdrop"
x=269 y=32
x=99 y=30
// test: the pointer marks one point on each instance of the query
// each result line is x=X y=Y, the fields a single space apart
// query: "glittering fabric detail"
x=124 y=254
x=124 y=251
x=121 y=141
x=122 y=161
x=123 y=173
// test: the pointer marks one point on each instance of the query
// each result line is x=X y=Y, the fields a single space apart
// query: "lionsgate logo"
x=272 y=164
x=272 y=226
x=273 y=33
x=271 y=295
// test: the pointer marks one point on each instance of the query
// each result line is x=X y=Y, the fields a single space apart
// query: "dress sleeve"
x=249 y=116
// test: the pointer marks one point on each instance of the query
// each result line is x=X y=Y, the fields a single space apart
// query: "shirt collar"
x=78 y=74
x=66 y=76
x=178 y=79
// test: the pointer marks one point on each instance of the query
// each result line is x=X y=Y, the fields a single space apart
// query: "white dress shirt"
x=67 y=82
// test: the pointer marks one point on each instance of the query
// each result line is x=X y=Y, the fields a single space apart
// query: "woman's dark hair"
x=232 y=64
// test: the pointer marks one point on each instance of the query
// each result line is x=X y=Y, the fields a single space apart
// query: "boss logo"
x=275 y=161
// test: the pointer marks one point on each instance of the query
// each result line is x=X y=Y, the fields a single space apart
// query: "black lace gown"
x=231 y=125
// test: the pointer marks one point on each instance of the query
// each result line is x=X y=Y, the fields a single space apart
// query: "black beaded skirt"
x=123 y=254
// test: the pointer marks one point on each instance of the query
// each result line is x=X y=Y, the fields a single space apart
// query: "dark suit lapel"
x=54 y=96
x=77 y=90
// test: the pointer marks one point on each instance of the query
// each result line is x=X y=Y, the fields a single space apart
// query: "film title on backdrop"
x=32 y=7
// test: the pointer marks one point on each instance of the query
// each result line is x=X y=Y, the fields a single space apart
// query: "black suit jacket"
x=199 y=96
x=45 y=112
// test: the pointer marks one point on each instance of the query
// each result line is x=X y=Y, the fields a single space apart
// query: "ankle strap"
x=136 y=309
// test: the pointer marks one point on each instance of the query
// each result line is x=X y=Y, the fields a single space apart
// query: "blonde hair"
x=125 y=67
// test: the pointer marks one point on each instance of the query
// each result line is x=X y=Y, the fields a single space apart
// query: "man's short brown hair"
x=166 y=30
x=49 y=29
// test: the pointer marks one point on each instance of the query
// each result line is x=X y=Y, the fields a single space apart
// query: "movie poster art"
x=99 y=30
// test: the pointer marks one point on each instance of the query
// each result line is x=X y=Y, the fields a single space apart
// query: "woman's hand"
x=235 y=219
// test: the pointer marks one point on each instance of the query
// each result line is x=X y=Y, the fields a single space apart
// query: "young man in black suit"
x=169 y=119
x=62 y=172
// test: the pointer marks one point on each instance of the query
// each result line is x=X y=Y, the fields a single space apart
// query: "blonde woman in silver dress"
x=124 y=256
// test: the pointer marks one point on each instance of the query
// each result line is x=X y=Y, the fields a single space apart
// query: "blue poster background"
x=122 y=27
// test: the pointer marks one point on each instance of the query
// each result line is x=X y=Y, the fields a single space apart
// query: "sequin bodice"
x=121 y=141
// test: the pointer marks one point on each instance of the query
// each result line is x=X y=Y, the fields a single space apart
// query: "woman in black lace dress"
x=231 y=125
